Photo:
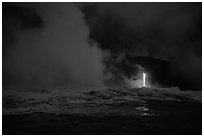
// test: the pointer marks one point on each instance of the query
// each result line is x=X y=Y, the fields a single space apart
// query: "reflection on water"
x=142 y=108
x=152 y=117
x=143 y=111
x=145 y=114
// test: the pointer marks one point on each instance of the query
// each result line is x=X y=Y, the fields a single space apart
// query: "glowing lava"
x=144 y=79
x=140 y=80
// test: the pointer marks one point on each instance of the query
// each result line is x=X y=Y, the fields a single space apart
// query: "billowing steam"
x=56 y=53
x=96 y=44
x=166 y=31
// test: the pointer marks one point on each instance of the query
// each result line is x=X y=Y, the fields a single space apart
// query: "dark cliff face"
x=164 y=73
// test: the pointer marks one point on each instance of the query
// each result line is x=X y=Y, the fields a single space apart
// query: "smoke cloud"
x=95 y=44
x=46 y=44
x=166 y=31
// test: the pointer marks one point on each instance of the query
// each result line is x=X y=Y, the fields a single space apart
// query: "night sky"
x=99 y=44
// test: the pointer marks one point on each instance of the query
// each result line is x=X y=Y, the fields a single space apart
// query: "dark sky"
x=98 y=44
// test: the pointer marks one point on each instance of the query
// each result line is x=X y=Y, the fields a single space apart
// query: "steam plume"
x=53 y=54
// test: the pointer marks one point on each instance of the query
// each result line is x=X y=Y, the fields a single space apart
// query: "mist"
x=54 y=53
x=170 y=32
x=95 y=44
